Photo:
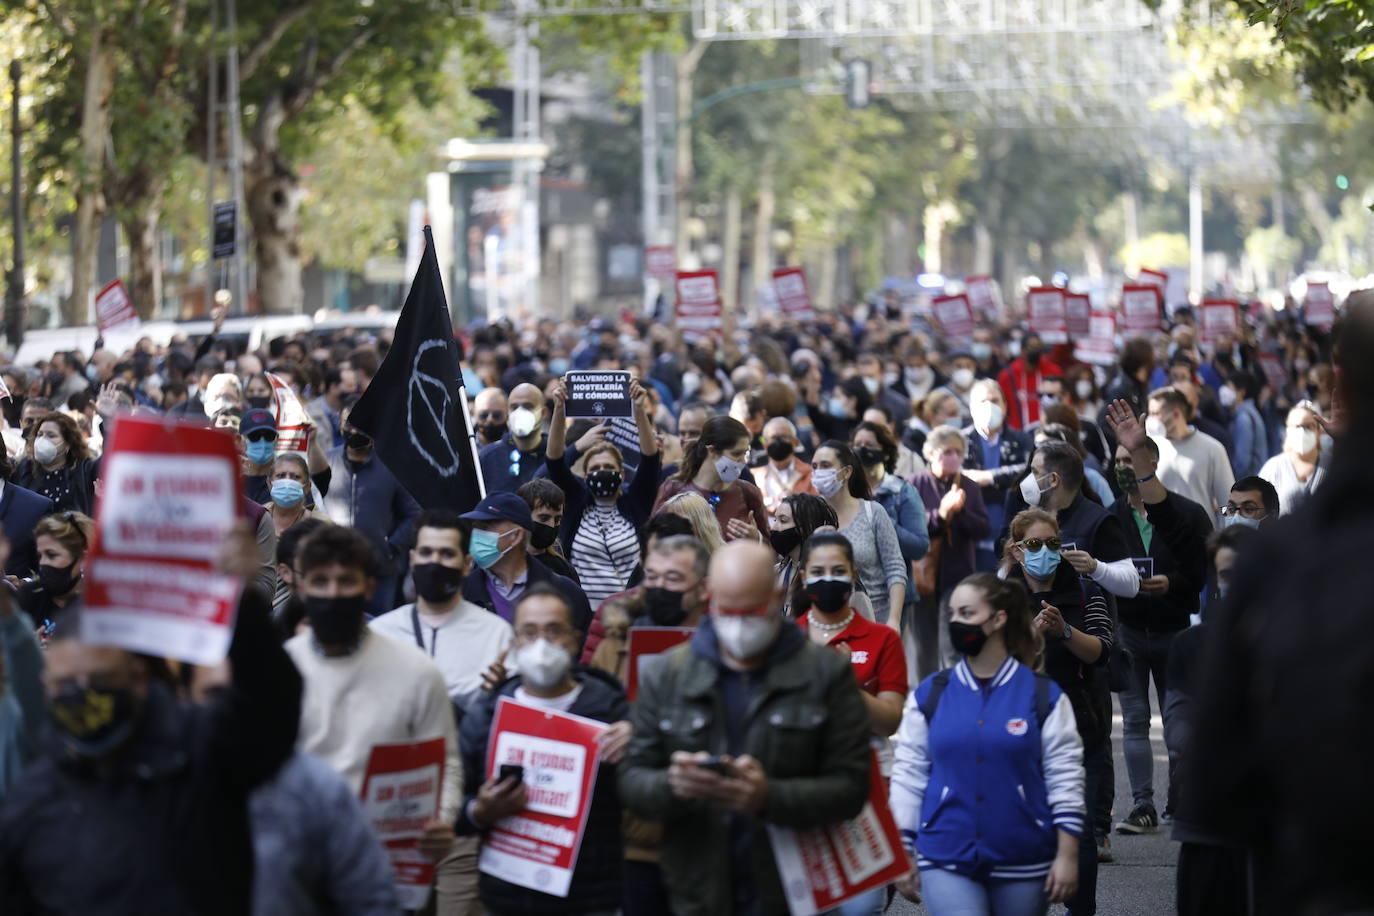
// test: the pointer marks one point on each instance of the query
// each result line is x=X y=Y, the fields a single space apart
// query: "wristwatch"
x=1068 y=631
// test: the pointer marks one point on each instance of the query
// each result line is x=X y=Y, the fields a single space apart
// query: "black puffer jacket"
x=596 y=878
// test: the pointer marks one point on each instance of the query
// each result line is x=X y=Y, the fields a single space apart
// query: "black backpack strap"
x=1042 y=699
x=937 y=687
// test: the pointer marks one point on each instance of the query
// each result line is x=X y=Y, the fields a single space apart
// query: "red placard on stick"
x=113 y=308
x=984 y=296
x=1319 y=306
x=169 y=494
x=794 y=298
x=1156 y=278
x=1140 y=309
x=1099 y=347
x=401 y=791
x=1045 y=312
x=660 y=261
x=537 y=848
x=826 y=866
x=1219 y=316
x=293 y=432
x=645 y=648
x=1078 y=313
x=698 y=303
x=954 y=315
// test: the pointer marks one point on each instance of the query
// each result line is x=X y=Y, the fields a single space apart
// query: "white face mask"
x=691 y=383
x=1296 y=439
x=987 y=415
x=890 y=379
x=44 y=450
x=1084 y=389
x=871 y=384
x=728 y=469
x=1030 y=490
x=542 y=664
x=1155 y=428
x=1227 y=396
x=522 y=422
x=745 y=636
x=962 y=378
x=827 y=482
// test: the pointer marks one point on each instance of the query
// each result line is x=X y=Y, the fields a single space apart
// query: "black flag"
x=415 y=409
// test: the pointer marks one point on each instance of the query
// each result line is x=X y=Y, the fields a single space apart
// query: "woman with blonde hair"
x=698 y=512
x=62 y=542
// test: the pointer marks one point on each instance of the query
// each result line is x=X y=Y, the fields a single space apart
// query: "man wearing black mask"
x=489 y=413
x=364 y=688
x=784 y=473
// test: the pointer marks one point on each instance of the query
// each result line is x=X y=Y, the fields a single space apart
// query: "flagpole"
x=472 y=438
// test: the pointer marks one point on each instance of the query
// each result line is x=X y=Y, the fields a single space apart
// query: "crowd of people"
x=941 y=555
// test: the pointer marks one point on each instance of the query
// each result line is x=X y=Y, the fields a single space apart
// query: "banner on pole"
x=1219 y=317
x=1078 y=313
x=1155 y=278
x=698 y=303
x=660 y=262
x=1099 y=347
x=293 y=430
x=1045 y=311
x=984 y=296
x=794 y=298
x=823 y=867
x=400 y=794
x=1140 y=309
x=113 y=308
x=598 y=394
x=538 y=847
x=954 y=315
x=170 y=492
x=1319 y=306
x=645 y=649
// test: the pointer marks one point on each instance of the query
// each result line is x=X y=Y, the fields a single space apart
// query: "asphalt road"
x=1141 y=880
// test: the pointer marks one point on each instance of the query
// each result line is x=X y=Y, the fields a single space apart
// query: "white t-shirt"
x=466 y=642
x=556 y=704
x=1196 y=467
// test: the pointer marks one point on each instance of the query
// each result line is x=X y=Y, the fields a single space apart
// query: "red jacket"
x=1021 y=389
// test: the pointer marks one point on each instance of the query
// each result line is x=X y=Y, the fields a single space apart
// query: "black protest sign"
x=598 y=395
x=624 y=435
x=414 y=409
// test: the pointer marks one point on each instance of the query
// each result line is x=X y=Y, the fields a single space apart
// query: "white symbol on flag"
x=428 y=402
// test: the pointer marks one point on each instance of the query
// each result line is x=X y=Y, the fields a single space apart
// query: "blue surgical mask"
x=558 y=365
x=838 y=408
x=1238 y=519
x=1041 y=563
x=260 y=452
x=485 y=548
x=287 y=493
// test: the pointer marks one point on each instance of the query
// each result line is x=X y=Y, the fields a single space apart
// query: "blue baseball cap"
x=506 y=507
x=257 y=419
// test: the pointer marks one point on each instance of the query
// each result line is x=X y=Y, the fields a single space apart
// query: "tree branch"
x=269 y=39
x=178 y=30
x=64 y=23
x=298 y=98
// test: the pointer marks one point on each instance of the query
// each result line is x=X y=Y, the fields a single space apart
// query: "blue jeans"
x=948 y=894
x=1150 y=654
x=869 y=904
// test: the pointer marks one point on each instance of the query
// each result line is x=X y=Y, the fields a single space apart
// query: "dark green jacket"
x=808 y=727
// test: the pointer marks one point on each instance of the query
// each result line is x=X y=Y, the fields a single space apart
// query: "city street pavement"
x=1141 y=881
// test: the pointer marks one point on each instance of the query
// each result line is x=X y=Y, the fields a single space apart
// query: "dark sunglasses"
x=1034 y=544
x=261 y=435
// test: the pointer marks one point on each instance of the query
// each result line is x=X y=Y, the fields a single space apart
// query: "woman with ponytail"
x=715 y=467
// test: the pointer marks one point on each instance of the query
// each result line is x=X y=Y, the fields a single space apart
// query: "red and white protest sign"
x=954 y=315
x=293 y=432
x=4 y=389
x=1078 y=314
x=401 y=791
x=537 y=848
x=1155 y=278
x=113 y=308
x=1140 y=309
x=984 y=296
x=1219 y=317
x=826 y=866
x=1319 y=306
x=794 y=298
x=660 y=261
x=644 y=649
x=1099 y=347
x=1045 y=314
x=698 y=303
x=169 y=494
x=1274 y=372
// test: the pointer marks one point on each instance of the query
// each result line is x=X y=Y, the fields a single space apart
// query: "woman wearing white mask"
x=59 y=465
x=1297 y=470
x=838 y=476
x=716 y=468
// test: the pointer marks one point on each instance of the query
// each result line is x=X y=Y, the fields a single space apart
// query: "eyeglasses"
x=553 y=632
x=261 y=435
x=1034 y=544
x=1247 y=510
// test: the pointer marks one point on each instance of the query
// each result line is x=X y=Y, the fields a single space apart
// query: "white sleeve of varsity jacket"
x=1118 y=577
x=1062 y=762
x=911 y=771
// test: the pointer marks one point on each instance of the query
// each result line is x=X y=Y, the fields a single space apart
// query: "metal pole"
x=14 y=305
x=649 y=167
x=1195 y=246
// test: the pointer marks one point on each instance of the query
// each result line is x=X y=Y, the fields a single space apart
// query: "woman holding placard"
x=602 y=518
x=716 y=467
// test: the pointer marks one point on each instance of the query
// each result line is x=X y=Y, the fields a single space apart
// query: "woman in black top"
x=62 y=541
x=58 y=465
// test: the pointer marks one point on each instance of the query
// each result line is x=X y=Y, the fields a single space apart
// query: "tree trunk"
x=730 y=244
x=90 y=199
x=274 y=203
x=141 y=229
x=761 y=260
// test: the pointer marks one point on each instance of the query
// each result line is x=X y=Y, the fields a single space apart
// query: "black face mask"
x=869 y=456
x=1126 y=479
x=829 y=595
x=435 y=582
x=493 y=432
x=664 y=607
x=1033 y=357
x=335 y=621
x=259 y=403
x=357 y=440
x=542 y=536
x=94 y=721
x=604 y=484
x=785 y=541
x=780 y=449
x=57 y=580
x=967 y=638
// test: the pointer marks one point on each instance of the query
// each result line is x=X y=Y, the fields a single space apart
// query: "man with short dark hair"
x=1191 y=463
x=547 y=501
x=1253 y=503
x=546 y=643
x=690 y=419
x=783 y=472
